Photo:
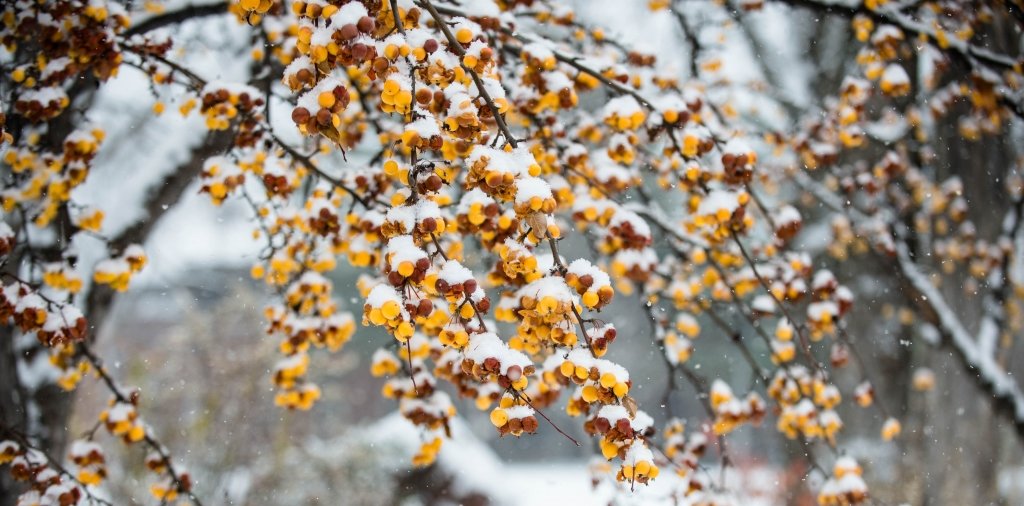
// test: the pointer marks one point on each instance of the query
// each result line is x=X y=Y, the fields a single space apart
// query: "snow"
x=786 y=215
x=990 y=374
x=120 y=412
x=639 y=225
x=895 y=75
x=454 y=273
x=886 y=32
x=612 y=413
x=44 y=95
x=81 y=447
x=404 y=216
x=530 y=187
x=38 y=372
x=638 y=453
x=890 y=128
x=763 y=304
x=517 y=162
x=488 y=345
x=717 y=200
x=381 y=294
x=349 y=13
x=425 y=126
x=622 y=106
x=823 y=279
x=519 y=411
x=308 y=100
x=402 y=248
x=582 y=267
x=54 y=66
x=737 y=146
x=551 y=286
x=480 y=8
x=438 y=404
x=517 y=482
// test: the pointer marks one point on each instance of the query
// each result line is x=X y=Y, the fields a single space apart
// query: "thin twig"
x=456 y=46
x=24 y=442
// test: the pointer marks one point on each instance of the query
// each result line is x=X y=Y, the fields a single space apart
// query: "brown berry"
x=366 y=24
x=349 y=32
x=300 y=115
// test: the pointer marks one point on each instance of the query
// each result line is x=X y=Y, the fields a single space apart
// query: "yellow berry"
x=326 y=99
x=608 y=380
x=499 y=417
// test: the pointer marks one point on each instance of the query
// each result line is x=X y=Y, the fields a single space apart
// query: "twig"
x=804 y=342
x=526 y=399
x=155 y=445
x=456 y=46
x=23 y=441
x=186 y=13
x=308 y=163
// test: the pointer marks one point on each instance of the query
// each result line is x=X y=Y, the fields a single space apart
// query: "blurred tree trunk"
x=953 y=445
x=42 y=414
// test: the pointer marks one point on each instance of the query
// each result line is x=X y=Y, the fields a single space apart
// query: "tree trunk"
x=43 y=414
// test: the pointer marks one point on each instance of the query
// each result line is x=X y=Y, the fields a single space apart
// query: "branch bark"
x=162 y=197
x=959 y=49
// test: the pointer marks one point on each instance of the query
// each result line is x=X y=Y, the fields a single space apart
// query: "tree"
x=450 y=149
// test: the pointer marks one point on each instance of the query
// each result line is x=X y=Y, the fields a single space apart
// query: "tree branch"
x=1008 y=399
x=961 y=50
x=456 y=46
x=989 y=377
x=162 y=197
x=177 y=16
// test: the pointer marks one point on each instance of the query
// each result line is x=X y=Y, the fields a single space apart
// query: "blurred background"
x=190 y=332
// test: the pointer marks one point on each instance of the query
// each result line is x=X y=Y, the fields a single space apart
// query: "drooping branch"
x=961 y=50
x=967 y=56
x=999 y=280
x=183 y=14
x=23 y=441
x=456 y=47
x=181 y=483
x=308 y=163
x=988 y=375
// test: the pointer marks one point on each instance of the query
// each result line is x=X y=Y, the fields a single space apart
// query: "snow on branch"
x=973 y=353
x=990 y=376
